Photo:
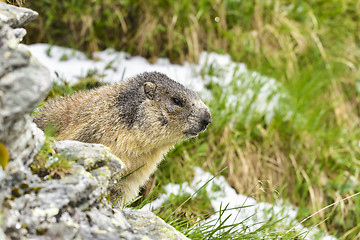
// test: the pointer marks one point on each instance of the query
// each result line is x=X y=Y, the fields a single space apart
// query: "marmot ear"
x=149 y=89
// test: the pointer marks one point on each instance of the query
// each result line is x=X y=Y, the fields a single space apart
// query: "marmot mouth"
x=191 y=134
x=195 y=132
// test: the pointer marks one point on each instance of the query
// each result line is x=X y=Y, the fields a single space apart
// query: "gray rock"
x=146 y=221
x=23 y=139
x=16 y=16
x=11 y=56
x=90 y=155
x=23 y=84
x=74 y=207
x=25 y=88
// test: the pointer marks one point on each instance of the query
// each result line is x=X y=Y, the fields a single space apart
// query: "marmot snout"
x=139 y=120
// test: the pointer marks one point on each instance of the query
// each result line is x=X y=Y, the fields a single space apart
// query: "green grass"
x=220 y=228
x=309 y=159
x=309 y=152
x=190 y=214
x=48 y=163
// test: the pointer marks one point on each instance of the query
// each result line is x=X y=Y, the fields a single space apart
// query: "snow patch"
x=238 y=208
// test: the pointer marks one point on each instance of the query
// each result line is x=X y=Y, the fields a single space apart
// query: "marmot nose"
x=206 y=120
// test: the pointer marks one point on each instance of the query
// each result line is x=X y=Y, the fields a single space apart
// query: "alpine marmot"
x=139 y=120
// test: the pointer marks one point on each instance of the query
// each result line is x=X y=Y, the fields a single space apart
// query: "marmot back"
x=139 y=120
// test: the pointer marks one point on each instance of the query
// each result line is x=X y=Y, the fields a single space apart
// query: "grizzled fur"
x=139 y=120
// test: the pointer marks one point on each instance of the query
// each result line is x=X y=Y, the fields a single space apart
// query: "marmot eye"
x=177 y=101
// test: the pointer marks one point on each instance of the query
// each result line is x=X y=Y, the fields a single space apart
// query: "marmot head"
x=159 y=105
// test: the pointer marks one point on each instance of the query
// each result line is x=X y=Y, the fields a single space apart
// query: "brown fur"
x=139 y=120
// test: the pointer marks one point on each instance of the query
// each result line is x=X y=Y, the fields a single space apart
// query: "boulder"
x=23 y=84
x=144 y=220
x=75 y=206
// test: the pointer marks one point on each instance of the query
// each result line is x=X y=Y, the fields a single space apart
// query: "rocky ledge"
x=76 y=205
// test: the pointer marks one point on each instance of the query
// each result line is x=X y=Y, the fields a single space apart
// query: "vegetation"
x=48 y=163
x=311 y=156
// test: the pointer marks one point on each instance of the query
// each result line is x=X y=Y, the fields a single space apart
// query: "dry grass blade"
x=202 y=187
x=317 y=212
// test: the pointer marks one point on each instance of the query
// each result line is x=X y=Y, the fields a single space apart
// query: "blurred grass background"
x=311 y=47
